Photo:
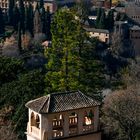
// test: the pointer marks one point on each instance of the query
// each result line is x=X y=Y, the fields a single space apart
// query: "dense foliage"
x=2 y=25
x=122 y=111
x=20 y=87
x=72 y=63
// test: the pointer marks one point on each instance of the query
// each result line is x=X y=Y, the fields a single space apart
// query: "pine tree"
x=16 y=16
x=10 y=12
x=2 y=24
x=71 y=64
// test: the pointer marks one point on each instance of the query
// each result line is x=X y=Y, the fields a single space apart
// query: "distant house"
x=135 y=38
x=67 y=116
x=133 y=12
x=50 y=5
x=4 y=5
x=101 y=34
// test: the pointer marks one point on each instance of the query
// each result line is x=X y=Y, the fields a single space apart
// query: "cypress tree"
x=118 y=16
x=10 y=12
x=37 y=21
x=48 y=25
x=43 y=19
x=29 y=18
x=99 y=12
x=22 y=15
x=2 y=24
x=110 y=20
x=19 y=37
x=26 y=17
x=102 y=21
x=41 y=4
x=16 y=16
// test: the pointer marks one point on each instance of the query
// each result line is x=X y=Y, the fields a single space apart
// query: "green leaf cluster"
x=18 y=87
x=72 y=63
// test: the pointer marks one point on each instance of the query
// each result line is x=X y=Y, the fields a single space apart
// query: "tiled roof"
x=97 y=30
x=58 y=102
x=135 y=28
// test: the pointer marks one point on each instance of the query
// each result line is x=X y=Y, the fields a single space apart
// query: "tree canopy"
x=122 y=111
x=71 y=57
x=17 y=86
x=2 y=25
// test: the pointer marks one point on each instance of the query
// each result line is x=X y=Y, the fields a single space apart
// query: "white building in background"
x=4 y=5
x=133 y=11
x=67 y=116
x=101 y=34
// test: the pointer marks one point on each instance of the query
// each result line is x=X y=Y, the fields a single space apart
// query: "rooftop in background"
x=58 y=102
x=97 y=30
x=135 y=28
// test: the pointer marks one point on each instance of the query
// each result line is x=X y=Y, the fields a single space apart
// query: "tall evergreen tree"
x=22 y=15
x=37 y=21
x=41 y=4
x=19 y=37
x=10 y=11
x=26 y=17
x=102 y=21
x=29 y=18
x=99 y=13
x=43 y=19
x=83 y=8
x=48 y=25
x=16 y=16
x=110 y=20
x=2 y=24
x=69 y=65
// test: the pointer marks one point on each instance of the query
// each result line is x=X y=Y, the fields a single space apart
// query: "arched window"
x=73 y=118
x=37 y=121
x=57 y=125
x=32 y=119
x=58 y=122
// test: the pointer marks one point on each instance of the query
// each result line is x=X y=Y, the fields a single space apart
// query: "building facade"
x=133 y=12
x=135 y=38
x=68 y=116
x=4 y=5
x=101 y=34
x=48 y=4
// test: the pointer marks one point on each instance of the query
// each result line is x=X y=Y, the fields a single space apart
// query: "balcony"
x=57 y=124
x=88 y=128
x=73 y=121
x=57 y=133
x=35 y=131
x=73 y=131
